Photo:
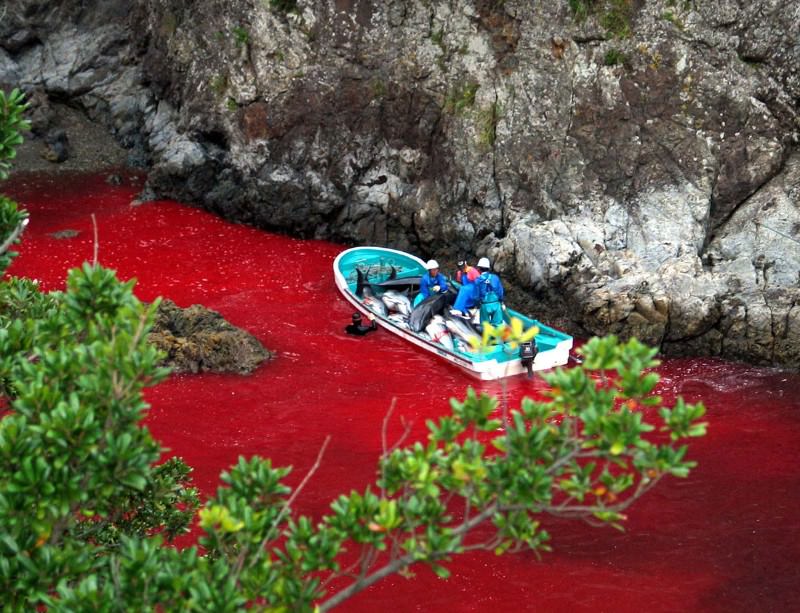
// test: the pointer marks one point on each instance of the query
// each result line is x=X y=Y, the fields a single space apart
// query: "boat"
x=370 y=278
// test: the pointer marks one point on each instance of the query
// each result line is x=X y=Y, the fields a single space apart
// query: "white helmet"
x=484 y=263
x=432 y=264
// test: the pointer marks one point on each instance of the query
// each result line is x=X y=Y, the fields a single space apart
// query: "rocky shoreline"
x=89 y=147
x=642 y=181
x=193 y=339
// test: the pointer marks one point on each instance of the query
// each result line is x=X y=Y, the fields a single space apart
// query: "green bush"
x=613 y=15
x=461 y=97
x=241 y=36
x=614 y=57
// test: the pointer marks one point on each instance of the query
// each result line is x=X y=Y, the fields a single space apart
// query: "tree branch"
x=96 y=248
x=286 y=507
x=402 y=562
x=13 y=236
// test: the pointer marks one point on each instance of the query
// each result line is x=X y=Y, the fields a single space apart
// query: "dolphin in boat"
x=374 y=304
x=362 y=281
x=395 y=301
x=459 y=327
x=439 y=333
x=393 y=282
x=422 y=313
x=400 y=320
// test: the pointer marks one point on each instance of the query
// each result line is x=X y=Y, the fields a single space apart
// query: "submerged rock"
x=197 y=339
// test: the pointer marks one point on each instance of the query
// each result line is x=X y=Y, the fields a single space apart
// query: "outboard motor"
x=527 y=353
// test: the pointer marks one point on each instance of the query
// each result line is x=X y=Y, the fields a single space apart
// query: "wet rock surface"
x=197 y=339
x=633 y=172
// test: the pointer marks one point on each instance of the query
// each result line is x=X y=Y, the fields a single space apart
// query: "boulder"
x=196 y=339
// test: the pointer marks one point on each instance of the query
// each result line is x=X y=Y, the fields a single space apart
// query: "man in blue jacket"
x=490 y=294
x=432 y=283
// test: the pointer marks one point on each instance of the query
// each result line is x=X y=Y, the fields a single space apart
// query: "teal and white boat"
x=378 y=281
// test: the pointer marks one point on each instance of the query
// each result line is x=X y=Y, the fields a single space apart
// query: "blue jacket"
x=487 y=284
x=428 y=282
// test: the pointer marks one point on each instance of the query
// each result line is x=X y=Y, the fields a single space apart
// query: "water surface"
x=726 y=539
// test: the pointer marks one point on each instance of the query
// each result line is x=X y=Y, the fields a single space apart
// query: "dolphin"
x=426 y=309
x=393 y=282
x=361 y=282
x=401 y=321
x=400 y=283
x=438 y=332
x=460 y=328
x=395 y=301
x=372 y=303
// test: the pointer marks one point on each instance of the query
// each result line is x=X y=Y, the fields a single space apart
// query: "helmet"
x=432 y=264
x=462 y=263
x=484 y=263
x=356 y=318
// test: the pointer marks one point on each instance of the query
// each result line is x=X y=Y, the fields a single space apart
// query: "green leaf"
x=137 y=482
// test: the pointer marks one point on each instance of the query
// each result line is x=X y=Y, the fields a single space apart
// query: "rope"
x=758 y=223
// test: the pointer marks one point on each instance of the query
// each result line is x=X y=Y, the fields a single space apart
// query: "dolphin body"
x=374 y=304
x=395 y=301
x=425 y=310
x=439 y=333
x=394 y=282
x=401 y=321
x=460 y=328
x=435 y=304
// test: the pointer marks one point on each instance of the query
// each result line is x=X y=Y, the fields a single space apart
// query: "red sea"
x=725 y=539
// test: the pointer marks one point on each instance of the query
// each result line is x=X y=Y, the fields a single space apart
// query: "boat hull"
x=480 y=365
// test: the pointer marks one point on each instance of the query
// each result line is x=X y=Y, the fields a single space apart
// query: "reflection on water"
x=724 y=540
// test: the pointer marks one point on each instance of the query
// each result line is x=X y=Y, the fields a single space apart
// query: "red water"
x=726 y=539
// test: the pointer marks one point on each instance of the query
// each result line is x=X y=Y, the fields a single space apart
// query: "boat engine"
x=527 y=353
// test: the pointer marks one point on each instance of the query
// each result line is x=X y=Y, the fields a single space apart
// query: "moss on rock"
x=197 y=339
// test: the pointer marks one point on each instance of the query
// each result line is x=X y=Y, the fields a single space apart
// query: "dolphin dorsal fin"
x=361 y=280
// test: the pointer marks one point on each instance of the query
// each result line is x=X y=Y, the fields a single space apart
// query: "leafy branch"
x=581 y=455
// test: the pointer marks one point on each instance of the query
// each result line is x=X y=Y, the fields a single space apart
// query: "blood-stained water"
x=726 y=539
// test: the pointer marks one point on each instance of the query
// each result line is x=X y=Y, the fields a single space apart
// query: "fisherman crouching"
x=431 y=283
x=467 y=296
x=358 y=329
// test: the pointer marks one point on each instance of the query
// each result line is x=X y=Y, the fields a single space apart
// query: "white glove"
x=436 y=289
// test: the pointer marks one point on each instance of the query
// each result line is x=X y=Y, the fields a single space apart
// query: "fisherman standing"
x=358 y=329
x=490 y=294
x=466 y=276
x=432 y=283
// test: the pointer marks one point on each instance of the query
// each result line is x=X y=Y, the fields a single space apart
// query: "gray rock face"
x=636 y=167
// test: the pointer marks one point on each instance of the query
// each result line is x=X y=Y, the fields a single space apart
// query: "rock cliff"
x=631 y=164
